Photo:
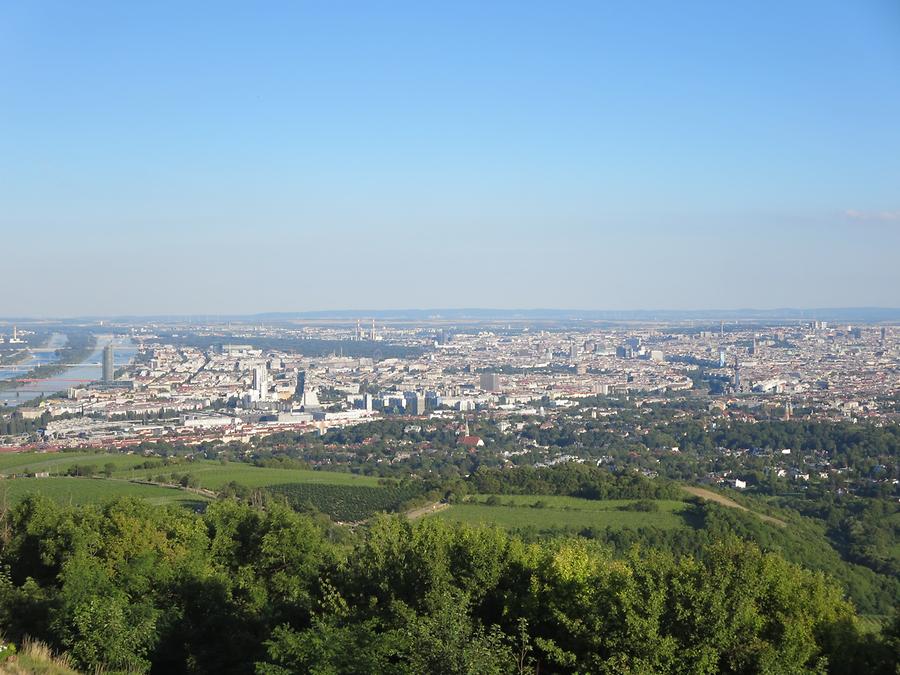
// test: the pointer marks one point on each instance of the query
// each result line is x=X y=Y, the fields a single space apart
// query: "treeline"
x=845 y=439
x=572 y=480
x=13 y=423
x=127 y=586
x=865 y=531
x=802 y=541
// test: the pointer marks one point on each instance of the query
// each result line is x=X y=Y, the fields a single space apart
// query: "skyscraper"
x=415 y=402
x=489 y=381
x=109 y=369
x=301 y=385
x=260 y=382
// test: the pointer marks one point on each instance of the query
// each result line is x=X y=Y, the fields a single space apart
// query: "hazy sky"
x=220 y=157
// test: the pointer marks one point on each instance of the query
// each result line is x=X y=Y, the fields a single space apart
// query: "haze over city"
x=170 y=159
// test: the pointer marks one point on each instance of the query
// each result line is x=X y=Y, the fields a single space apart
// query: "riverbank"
x=14 y=359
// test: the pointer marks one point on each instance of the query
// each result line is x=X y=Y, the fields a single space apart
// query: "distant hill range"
x=858 y=314
x=567 y=316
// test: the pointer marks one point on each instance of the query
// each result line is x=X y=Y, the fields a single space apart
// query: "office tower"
x=358 y=331
x=300 y=389
x=489 y=381
x=883 y=333
x=109 y=369
x=260 y=382
x=432 y=400
x=753 y=346
x=721 y=358
x=415 y=403
x=373 y=329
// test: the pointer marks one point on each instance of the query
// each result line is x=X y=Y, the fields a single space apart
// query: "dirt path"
x=730 y=503
x=425 y=510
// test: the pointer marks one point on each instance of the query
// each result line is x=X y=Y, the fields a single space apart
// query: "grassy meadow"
x=75 y=490
x=553 y=512
x=339 y=494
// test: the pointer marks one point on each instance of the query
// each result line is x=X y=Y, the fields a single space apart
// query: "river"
x=90 y=369
x=35 y=359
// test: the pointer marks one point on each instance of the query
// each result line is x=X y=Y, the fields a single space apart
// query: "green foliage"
x=128 y=587
x=348 y=503
x=7 y=649
x=574 y=480
x=643 y=505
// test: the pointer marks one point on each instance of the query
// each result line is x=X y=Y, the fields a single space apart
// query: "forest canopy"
x=130 y=587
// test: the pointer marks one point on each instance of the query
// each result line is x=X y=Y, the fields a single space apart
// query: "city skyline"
x=214 y=159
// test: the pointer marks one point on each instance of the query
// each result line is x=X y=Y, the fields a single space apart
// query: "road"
x=730 y=503
x=425 y=510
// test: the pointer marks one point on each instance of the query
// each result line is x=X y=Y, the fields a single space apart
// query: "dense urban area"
x=452 y=495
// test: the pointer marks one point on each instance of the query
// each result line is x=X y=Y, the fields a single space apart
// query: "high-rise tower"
x=109 y=370
x=300 y=389
x=261 y=382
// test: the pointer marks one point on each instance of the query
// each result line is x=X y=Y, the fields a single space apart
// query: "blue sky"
x=221 y=157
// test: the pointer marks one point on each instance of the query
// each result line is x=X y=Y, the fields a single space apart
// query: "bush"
x=644 y=505
x=7 y=649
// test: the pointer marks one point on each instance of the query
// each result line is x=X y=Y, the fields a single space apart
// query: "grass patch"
x=58 y=462
x=36 y=658
x=213 y=475
x=548 y=512
x=71 y=490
